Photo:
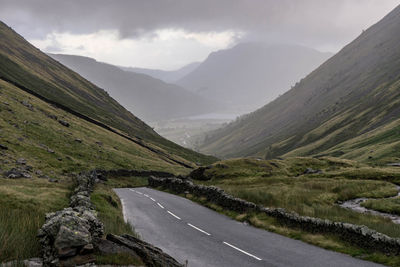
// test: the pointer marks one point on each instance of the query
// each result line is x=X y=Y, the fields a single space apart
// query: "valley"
x=266 y=152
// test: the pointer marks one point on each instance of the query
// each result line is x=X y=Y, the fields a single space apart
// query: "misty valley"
x=200 y=133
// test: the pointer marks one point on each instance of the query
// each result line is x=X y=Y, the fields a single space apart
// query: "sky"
x=167 y=34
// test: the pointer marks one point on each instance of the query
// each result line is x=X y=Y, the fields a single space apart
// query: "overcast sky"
x=168 y=34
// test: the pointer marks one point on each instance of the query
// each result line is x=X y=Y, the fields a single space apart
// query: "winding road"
x=189 y=231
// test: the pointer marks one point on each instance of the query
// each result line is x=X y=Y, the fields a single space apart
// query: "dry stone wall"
x=355 y=234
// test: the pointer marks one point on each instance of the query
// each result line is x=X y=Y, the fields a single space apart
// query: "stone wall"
x=69 y=236
x=355 y=234
x=103 y=174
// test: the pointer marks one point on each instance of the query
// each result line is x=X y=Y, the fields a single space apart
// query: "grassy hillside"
x=355 y=93
x=22 y=63
x=30 y=129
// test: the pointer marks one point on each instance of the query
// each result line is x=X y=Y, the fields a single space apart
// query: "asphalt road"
x=188 y=231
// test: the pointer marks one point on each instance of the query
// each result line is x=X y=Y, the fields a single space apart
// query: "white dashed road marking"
x=173 y=215
x=198 y=229
x=241 y=250
x=161 y=206
x=146 y=195
x=152 y=199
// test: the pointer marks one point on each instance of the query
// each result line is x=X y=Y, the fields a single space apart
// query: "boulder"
x=63 y=123
x=3 y=147
x=16 y=173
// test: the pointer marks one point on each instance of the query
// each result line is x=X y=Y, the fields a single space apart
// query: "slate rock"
x=63 y=123
x=21 y=161
x=3 y=147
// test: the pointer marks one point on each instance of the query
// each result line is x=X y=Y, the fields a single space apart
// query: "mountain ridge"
x=342 y=88
x=149 y=98
x=22 y=63
x=251 y=74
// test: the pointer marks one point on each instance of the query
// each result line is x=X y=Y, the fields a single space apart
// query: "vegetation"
x=283 y=184
x=22 y=63
x=326 y=241
x=109 y=210
x=109 y=206
x=29 y=130
x=348 y=108
x=391 y=205
x=23 y=205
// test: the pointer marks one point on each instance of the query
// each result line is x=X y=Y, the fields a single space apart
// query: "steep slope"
x=252 y=74
x=26 y=66
x=48 y=154
x=148 y=98
x=353 y=93
x=168 y=76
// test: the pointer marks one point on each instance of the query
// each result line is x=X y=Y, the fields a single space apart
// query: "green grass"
x=109 y=206
x=22 y=63
x=23 y=204
x=27 y=134
x=327 y=241
x=391 y=205
x=280 y=184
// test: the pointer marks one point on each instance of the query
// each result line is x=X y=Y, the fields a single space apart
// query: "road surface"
x=188 y=231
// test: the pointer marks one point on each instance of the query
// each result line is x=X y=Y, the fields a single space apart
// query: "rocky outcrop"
x=150 y=255
x=199 y=174
x=355 y=234
x=69 y=236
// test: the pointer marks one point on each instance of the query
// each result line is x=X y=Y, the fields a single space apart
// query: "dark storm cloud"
x=312 y=21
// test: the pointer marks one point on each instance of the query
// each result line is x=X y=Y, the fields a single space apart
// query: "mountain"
x=348 y=107
x=148 y=98
x=252 y=74
x=25 y=66
x=165 y=75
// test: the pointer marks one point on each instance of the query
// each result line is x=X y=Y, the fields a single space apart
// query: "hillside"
x=347 y=107
x=168 y=76
x=252 y=74
x=41 y=156
x=148 y=98
x=24 y=65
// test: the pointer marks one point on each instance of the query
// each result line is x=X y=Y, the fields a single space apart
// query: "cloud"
x=323 y=24
x=165 y=49
x=134 y=18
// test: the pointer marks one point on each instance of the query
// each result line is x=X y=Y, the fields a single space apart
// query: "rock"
x=87 y=249
x=396 y=164
x=3 y=147
x=78 y=260
x=21 y=161
x=150 y=255
x=99 y=143
x=16 y=173
x=67 y=252
x=50 y=150
x=63 y=123
x=199 y=174
x=311 y=171
x=59 y=159
x=33 y=262
x=72 y=236
x=51 y=180
x=78 y=140
x=51 y=116
x=38 y=172
x=27 y=104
